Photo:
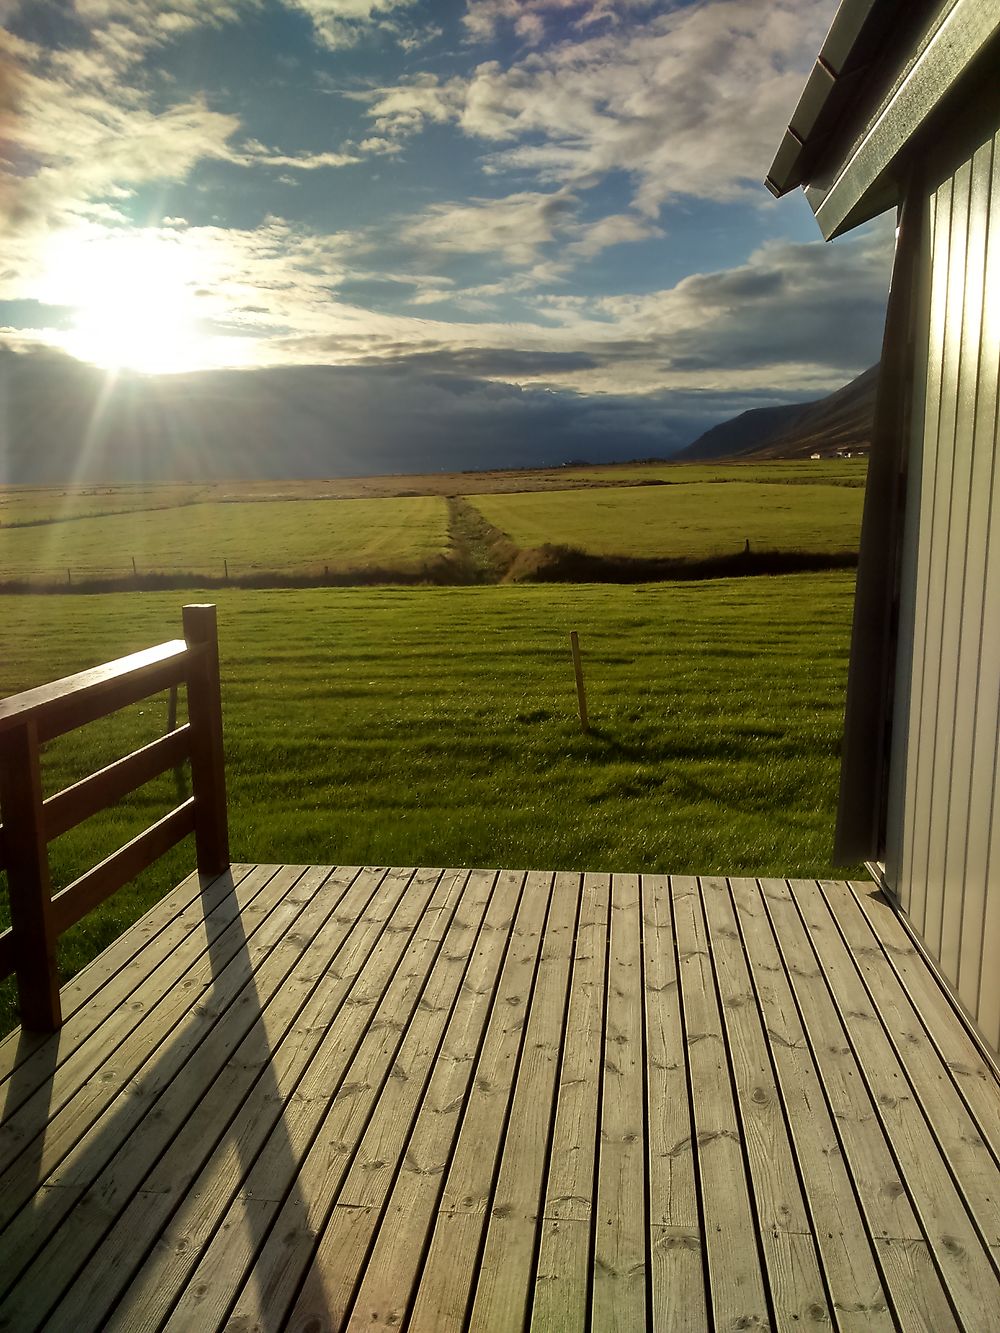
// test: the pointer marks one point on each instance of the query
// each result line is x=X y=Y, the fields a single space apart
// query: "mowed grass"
x=692 y=520
x=48 y=504
x=438 y=727
x=793 y=471
x=299 y=536
x=33 y=504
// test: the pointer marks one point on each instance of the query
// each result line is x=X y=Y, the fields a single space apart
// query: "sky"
x=559 y=196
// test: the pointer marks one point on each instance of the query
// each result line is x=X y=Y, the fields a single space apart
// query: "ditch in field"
x=588 y=526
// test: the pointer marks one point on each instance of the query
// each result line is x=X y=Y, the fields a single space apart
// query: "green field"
x=692 y=520
x=52 y=504
x=300 y=536
x=438 y=726
x=404 y=528
x=33 y=504
x=793 y=471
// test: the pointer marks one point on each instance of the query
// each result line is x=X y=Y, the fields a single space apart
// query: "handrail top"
x=32 y=704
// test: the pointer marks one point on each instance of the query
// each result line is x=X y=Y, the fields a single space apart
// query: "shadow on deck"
x=322 y=1098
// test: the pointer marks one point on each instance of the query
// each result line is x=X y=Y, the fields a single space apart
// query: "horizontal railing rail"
x=76 y=700
x=31 y=821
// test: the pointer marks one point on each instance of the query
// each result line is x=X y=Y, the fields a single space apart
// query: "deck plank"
x=337 y=955
x=126 y=1198
x=736 y=1283
x=96 y=1075
x=273 y=1220
x=447 y=1282
x=53 y=1074
x=958 y=1251
x=677 y=1272
x=563 y=1270
x=916 y=1295
x=505 y=1285
x=955 y=1132
x=332 y=1098
x=846 y=1252
x=942 y=1026
x=391 y=1272
x=621 y=1234
x=335 y=1269
x=27 y=1060
x=797 y=1289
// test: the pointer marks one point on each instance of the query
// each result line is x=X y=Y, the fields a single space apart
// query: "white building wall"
x=943 y=837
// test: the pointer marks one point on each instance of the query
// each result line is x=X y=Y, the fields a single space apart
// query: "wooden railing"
x=30 y=822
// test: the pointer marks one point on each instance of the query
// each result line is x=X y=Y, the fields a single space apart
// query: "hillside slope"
x=842 y=420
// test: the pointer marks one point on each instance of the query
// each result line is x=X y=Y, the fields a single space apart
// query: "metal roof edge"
x=853 y=42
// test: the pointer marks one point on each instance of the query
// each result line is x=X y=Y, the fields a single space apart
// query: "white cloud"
x=255 y=153
x=81 y=129
x=122 y=32
x=690 y=103
x=529 y=18
x=408 y=108
x=792 y=318
x=81 y=126
x=376 y=145
x=78 y=148
x=614 y=229
x=343 y=23
x=516 y=227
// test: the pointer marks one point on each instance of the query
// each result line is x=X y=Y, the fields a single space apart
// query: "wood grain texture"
x=738 y=1290
x=347 y=1099
x=116 y=870
x=34 y=929
x=959 y=1254
x=850 y=1263
x=560 y=1297
x=87 y=695
x=505 y=1284
x=621 y=1231
x=73 y=805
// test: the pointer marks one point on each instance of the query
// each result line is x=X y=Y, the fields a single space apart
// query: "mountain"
x=841 y=421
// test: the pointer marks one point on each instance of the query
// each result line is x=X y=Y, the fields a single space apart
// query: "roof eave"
x=844 y=52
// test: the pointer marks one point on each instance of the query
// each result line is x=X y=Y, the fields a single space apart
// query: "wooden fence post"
x=581 y=692
x=208 y=770
x=26 y=855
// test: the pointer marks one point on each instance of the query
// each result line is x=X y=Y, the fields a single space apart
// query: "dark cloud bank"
x=61 y=420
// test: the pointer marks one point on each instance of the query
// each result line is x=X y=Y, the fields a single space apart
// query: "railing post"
x=208 y=773
x=28 y=880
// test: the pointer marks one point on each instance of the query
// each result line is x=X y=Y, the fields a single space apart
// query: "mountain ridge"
x=838 y=423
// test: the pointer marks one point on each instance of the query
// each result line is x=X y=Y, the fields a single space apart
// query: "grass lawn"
x=794 y=471
x=696 y=520
x=31 y=504
x=434 y=726
x=46 y=504
x=290 y=535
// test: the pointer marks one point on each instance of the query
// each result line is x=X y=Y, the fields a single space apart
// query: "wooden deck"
x=315 y=1098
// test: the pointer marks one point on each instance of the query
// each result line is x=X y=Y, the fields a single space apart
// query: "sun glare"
x=134 y=298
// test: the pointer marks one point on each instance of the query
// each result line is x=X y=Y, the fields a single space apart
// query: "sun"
x=134 y=300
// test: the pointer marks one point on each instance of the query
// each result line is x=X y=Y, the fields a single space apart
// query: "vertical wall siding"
x=944 y=837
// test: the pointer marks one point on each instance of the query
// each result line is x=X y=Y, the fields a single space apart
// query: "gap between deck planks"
x=340 y=1098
